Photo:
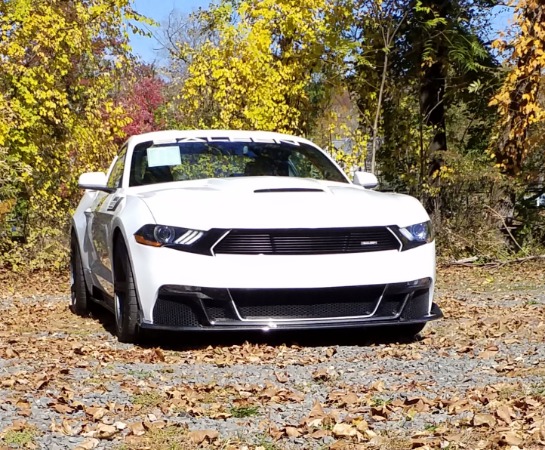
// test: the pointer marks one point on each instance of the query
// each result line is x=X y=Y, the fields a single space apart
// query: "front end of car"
x=284 y=278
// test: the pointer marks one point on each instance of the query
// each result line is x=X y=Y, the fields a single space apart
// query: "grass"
x=140 y=374
x=239 y=412
x=169 y=438
x=20 y=438
x=377 y=401
x=267 y=444
x=538 y=389
x=148 y=399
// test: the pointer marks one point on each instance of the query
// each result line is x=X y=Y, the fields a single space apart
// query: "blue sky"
x=147 y=48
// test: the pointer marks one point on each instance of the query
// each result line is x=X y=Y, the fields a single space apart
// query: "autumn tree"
x=142 y=98
x=259 y=70
x=426 y=57
x=60 y=63
x=518 y=101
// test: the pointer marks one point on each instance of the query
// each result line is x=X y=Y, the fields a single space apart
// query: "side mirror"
x=365 y=179
x=94 y=181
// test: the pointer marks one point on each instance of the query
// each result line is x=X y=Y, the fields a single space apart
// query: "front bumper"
x=157 y=268
x=198 y=308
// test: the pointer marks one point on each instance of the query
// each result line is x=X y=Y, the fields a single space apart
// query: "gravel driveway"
x=475 y=379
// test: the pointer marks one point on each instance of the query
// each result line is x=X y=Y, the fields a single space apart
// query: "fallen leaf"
x=88 y=444
x=505 y=413
x=344 y=430
x=293 y=432
x=484 y=419
x=199 y=436
x=511 y=438
x=106 y=431
x=281 y=377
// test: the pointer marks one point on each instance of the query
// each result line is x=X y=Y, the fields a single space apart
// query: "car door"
x=101 y=214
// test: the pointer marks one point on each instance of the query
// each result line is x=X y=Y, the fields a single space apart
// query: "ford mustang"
x=240 y=230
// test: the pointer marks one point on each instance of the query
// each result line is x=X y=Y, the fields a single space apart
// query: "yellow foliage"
x=57 y=114
x=256 y=75
x=518 y=100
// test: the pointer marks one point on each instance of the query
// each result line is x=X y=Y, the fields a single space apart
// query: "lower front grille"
x=417 y=306
x=198 y=307
x=256 y=304
x=168 y=312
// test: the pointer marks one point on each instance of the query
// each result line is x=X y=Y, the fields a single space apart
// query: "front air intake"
x=307 y=241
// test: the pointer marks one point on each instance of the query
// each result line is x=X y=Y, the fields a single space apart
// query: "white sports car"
x=232 y=230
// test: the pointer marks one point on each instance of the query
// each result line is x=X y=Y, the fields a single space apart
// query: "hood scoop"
x=293 y=189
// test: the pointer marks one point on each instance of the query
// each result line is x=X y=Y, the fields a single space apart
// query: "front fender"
x=133 y=214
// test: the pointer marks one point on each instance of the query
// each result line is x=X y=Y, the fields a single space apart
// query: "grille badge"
x=368 y=242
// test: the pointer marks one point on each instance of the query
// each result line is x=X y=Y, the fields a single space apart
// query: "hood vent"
x=262 y=191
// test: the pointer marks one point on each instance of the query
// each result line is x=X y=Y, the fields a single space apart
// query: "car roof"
x=172 y=135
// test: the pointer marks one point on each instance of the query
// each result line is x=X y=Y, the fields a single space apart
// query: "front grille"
x=255 y=304
x=307 y=241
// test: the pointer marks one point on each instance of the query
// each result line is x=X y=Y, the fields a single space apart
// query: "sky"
x=159 y=10
x=148 y=48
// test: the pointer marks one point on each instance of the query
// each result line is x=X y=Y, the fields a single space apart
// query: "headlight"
x=416 y=235
x=164 y=235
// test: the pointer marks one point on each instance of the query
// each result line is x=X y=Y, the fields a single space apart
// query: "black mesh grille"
x=307 y=241
x=417 y=306
x=218 y=310
x=172 y=313
x=309 y=303
x=186 y=306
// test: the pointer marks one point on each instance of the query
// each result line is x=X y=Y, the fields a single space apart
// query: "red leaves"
x=141 y=101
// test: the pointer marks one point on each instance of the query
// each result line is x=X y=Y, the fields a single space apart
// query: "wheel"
x=80 y=297
x=126 y=299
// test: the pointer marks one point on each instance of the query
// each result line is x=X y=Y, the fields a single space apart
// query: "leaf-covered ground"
x=474 y=380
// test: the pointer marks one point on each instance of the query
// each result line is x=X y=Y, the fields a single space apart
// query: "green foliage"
x=148 y=399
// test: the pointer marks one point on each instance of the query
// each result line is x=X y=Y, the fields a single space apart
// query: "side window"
x=116 y=174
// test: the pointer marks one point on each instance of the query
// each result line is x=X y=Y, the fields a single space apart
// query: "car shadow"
x=195 y=340
x=364 y=337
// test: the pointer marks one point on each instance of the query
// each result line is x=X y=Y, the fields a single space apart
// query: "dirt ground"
x=474 y=380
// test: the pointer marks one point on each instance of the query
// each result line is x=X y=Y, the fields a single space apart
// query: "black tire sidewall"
x=80 y=302
x=127 y=326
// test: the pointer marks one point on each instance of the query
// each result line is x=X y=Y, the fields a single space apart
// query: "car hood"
x=276 y=202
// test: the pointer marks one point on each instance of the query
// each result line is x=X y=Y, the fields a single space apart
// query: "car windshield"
x=215 y=158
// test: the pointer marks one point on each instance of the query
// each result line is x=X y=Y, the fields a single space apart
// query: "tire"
x=81 y=302
x=126 y=299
